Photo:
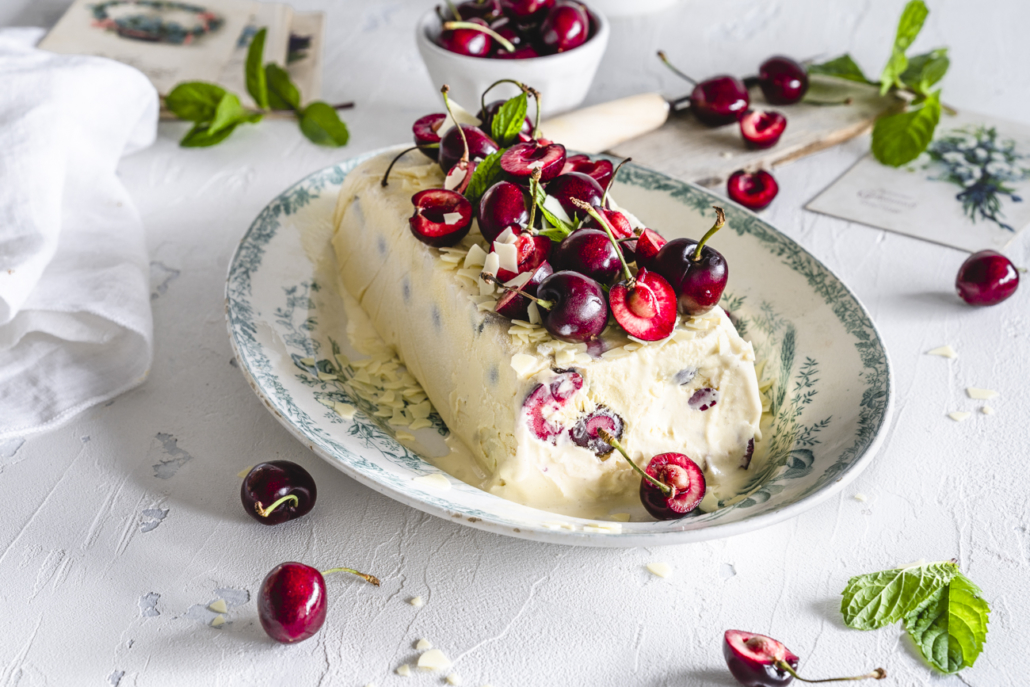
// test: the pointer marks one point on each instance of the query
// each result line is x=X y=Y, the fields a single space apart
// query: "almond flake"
x=433 y=481
x=981 y=394
x=860 y=497
x=491 y=263
x=434 y=659
x=944 y=352
x=525 y=365
x=403 y=670
x=421 y=423
x=424 y=644
x=476 y=257
x=620 y=517
x=454 y=679
x=507 y=256
x=307 y=361
x=659 y=569
x=534 y=313
x=987 y=410
x=405 y=436
x=415 y=601
x=959 y=416
x=519 y=280
x=218 y=606
x=553 y=205
x=244 y=472
x=218 y=621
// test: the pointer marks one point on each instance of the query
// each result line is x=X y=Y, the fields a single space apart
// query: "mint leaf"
x=320 y=123
x=257 y=84
x=200 y=136
x=508 y=121
x=486 y=174
x=900 y=138
x=194 y=101
x=282 y=93
x=879 y=599
x=559 y=228
x=842 y=67
x=230 y=113
x=925 y=70
x=951 y=628
x=909 y=26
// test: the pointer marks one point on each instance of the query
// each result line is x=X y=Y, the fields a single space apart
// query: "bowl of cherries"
x=556 y=45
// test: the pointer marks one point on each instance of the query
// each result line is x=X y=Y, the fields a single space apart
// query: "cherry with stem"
x=265 y=511
x=600 y=219
x=482 y=98
x=504 y=42
x=614 y=443
x=877 y=674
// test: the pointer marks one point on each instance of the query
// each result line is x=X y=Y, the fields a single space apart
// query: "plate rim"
x=563 y=536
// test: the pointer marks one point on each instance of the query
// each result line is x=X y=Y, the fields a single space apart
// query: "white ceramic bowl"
x=564 y=79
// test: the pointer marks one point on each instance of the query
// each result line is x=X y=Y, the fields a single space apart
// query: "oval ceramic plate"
x=824 y=369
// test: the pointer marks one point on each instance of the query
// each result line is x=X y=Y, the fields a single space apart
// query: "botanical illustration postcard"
x=968 y=190
x=276 y=18
x=169 y=41
x=304 y=58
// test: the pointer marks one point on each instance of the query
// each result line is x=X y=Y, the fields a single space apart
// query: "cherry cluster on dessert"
x=514 y=29
x=563 y=254
x=724 y=99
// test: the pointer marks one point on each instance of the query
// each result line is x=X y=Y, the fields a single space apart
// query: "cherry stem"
x=505 y=43
x=536 y=122
x=482 y=98
x=447 y=103
x=486 y=276
x=365 y=576
x=600 y=219
x=720 y=222
x=611 y=181
x=677 y=72
x=829 y=103
x=386 y=177
x=614 y=443
x=453 y=9
x=265 y=512
x=534 y=188
x=877 y=674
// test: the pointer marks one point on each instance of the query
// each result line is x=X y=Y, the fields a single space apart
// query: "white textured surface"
x=120 y=529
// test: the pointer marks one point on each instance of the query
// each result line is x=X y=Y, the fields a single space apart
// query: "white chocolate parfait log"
x=527 y=406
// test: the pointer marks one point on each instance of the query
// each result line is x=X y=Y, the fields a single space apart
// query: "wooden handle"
x=600 y=127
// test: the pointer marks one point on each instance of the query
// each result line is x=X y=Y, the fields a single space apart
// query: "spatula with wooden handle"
x=602 y=127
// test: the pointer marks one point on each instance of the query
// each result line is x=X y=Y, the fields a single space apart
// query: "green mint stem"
x=877 y=674
x=454 y=10
x=592 y=211
x=720 y=222
x=364 y=576
x=265 y=512
x=505 y=43
x=614 y=443
x=677 y=72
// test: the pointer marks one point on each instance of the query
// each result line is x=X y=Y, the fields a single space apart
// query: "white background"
x=76 y=566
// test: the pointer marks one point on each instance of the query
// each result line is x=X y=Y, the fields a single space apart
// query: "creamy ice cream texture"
x=695 y=392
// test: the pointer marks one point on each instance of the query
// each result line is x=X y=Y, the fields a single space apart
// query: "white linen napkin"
x=75 y=320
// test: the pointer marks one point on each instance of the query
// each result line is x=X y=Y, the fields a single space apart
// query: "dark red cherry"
x=782 y=80
x=648 y=245
x=526 y=11
x=574 y=308
x=522 y=159
x=753 y=191
x=986 y=278
x=762 y=128
x=545 y=399
x=532 y=251
x=513 y=304
x=719 y=100
x=452 y=148
x=277 y=491
x=486 y=116
x=600 y=169
x=646 y=307
x=586 y=431
x=698 y=280
x=503 y=206
x=487 y=10
x=524 y=53
x=565 y=187
x=427 y=134
x=441 y=217
x=618 y=222
x=467 y=41
x=589 y=252
x=759 y=661
x=566 y=26
x=292 y=601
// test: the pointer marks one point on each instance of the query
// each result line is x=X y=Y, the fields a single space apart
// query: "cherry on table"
x=696 y=271
x=464 y=39
x=292 y=601
x=762 y=128
x=523 y=159
x=782 y=80
x=441 y=217
x=752 y=190
x=716 y=101
x=671 y=487
x=986 y=278
x=503 y=206
x=277 y=491
x=565 y=187
x=759 y=661
x=566 y=26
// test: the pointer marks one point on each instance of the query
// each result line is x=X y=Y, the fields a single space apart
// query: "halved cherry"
x=586 y=431
x=600 y=169
x=648 y=244
x=514 y=304
x=753 y=191
x=760 y=661
x=671 y=487
x=441 y=218
x=522 y=159
x=427 y=134
x=644 y=306
x=762 y=128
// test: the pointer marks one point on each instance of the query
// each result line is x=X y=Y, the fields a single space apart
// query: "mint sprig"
x=486 y=174
x=217 y=113
x=942 y=610
x=899 y=138
x=508 y=121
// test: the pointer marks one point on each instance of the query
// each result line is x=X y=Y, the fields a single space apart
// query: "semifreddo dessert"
x=520 y=357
